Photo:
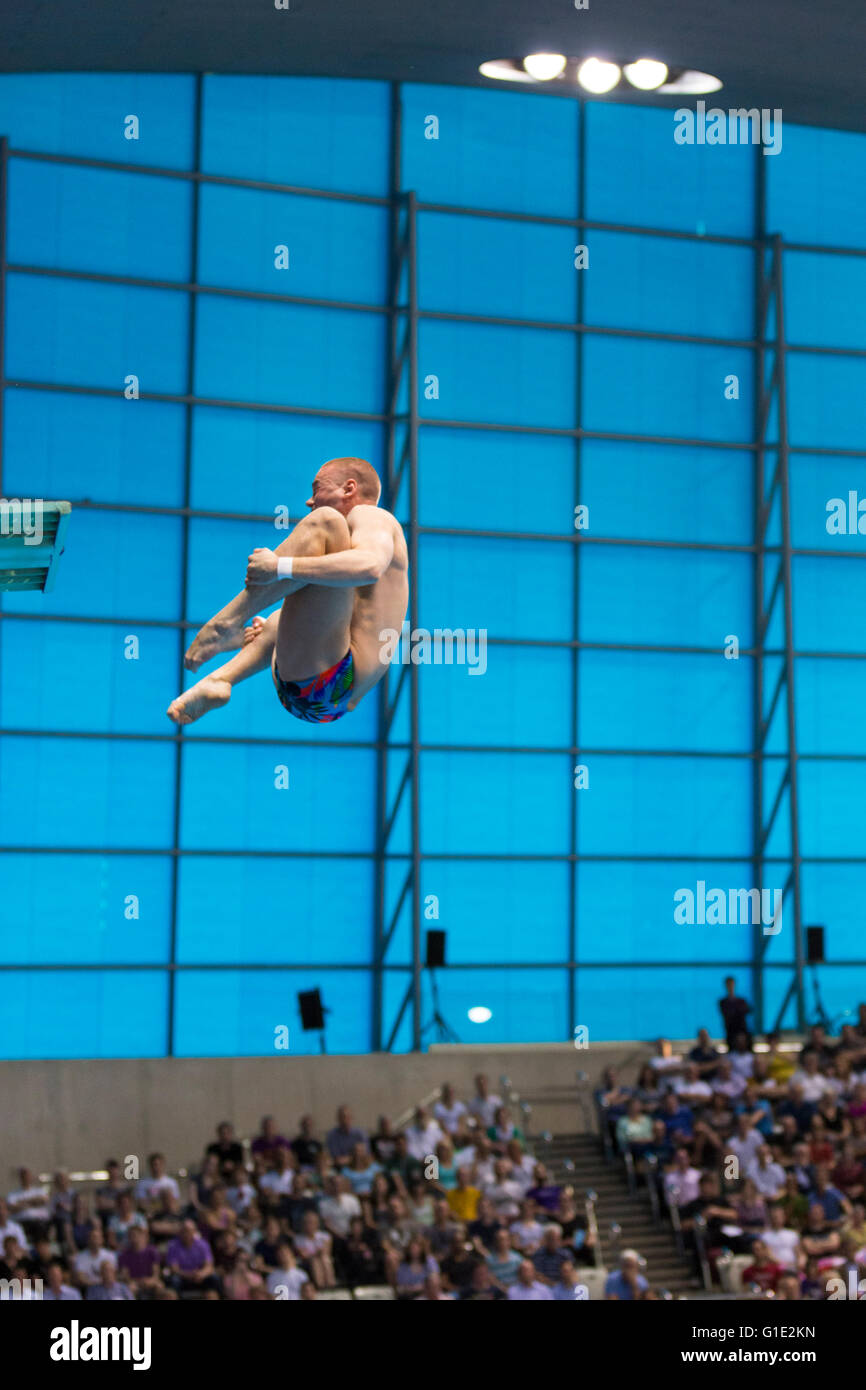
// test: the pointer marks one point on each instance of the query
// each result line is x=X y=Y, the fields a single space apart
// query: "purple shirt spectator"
x=189 y=1257
x=138 y=1264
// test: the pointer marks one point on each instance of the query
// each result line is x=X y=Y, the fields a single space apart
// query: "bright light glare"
x=545 y=66
x=692 y=83
x=595 y=75
x=480 y=1014
x=646 y=74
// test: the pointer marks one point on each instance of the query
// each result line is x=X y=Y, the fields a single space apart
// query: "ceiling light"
x=692 y=83
x=545 y=66
x=595 y=75
x=504 y=70
x=479 y=1014
x=646 y=74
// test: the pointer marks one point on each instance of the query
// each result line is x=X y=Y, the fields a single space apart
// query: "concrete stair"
x=665 y=1268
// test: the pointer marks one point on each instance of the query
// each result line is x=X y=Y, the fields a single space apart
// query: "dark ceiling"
x=804 y=56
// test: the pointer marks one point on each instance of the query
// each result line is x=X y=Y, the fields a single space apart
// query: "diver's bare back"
x=380 y=607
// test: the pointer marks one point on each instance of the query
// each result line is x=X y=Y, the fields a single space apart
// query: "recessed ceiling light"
x=595 y=75
x=480 y=1014
x=692 y=83
x=545 y=66
x=504 y=70
x=646 y=74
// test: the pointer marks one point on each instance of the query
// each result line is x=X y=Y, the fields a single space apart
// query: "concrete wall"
x=76 y=1114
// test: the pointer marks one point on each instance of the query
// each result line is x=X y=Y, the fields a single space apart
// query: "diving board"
x=32 y=537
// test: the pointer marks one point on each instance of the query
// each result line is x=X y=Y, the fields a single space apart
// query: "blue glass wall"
x=608 y=654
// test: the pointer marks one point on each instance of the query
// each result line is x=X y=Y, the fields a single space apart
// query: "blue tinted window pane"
x=815 y=191
x=84 y=1013
x=282 y=902
x=252 y=461
x=625 y=1003
x=830 y=706
x=454 y=472
x=474 y=265
x=822 y=299
x=626 y=912
x=100 y=220
x=509 y=376
x=494 y=149
x=832 y=809
x=87 y=909
x=655 y=700
x=500 y=912
x=227 y=1013
x=280 y=354
x=230 y=800
x=668 y=285
x=111 y=684
x=826 y=401
x=663 y=492
x=113 y=587
x=699 y=598
x=310 y=131
x=833 y=894
x=85 y=334
x=483 y=584
x=495 y=803
x=643 y=387
x=637 y=174
x=86 y=792
x=830 y=598
x=70 y=446
x=486 y=702
x=825 y=515
x=334 y=248
x=526 y=1006
x=86 y=114
x=666 y=806
x=841 y=990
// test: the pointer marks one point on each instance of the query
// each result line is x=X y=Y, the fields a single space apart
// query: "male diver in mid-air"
x=342 y=576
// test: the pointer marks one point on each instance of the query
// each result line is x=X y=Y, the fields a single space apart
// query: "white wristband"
x=284 y=566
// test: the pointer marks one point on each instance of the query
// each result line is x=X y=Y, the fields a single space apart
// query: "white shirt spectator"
x=733 y=1087
x=464 y=1158
x=422 y=1142
x=66 y=1295
x=744 y=1149
x=148 y=1189
x=742 y=1064
x=240 y=1197
x=702 y=1089
x=527 y=1234
x=682 y=1187
x=286 y=1284
x=13 y=1229
x=767 y=1180
x=530 y=1293
x=448 y=1115
x=783 y=1245
x=813 y=1086
x=278 y=1184
x=29 y=1204
x=506 y=1197
x=337 y=1212
x=485 y=1110
x=87 y=1264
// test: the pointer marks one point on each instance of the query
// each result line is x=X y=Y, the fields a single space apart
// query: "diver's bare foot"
x=252 y=632
x=215 y=637
x=200 y=699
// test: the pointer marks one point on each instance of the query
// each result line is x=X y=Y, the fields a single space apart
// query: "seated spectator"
x=665 y=1062
x=217 y=1216
x=522 y=1164
x=504 y=1130
x=781 y=1240
x=527 y=1288
x=204 y=1182
x=303 y=1198
x=397 y=1230
x=855 y=1224
x=306 y=1146
x=504 y=1192
x=87 y=1264
x=402 y=1165
x=446 y=1170
x=744 y=1143
x=464 y=1197
x=568 y=1287
x=465 y=1139
x=726 y=1082
x=278 y=1181
x=756 y=1108
x=338 y=1205
x=82 y=1222
x=45 y=1252
x=786 y=1140
x=483 y=1230
x=267 y=1246
x=712 y=1208
x=691 y=1088
x=481 y=1288
x=650 y=1091
x=484 y=1104
x=767 y=1175
x=704 y=1056
x=189 y=1260
x=361 y=1170
x=148 y=1191
x=549 y=1256
x=545 y=1194
x=268 y=1142
x=62 y=1201
x=122 y=1221
x=763 y=1271
x=341 y=1140
x=433 y=1291
x=315 y=1248
x=848 y=1175
x=383 y=1143
x=815 y=1280
x=751 y=1210
x=626 y=1283
x=741 y=1057
x=29 y=1204
x=682 y=1180
x=56 y=1289
x=836 y=1122
x=448 y=1111
x=715 y=1123
x=107 y=1194
x=8 y=1226
x=359 y=1255
x=14 y=1259
x=109 y=1289
x=677 y=1119
x=809 y=1079
x=240 y=1193
x=833 y=1203
x=802 y=1168
x=139 y=1264
x=819 y=1238
x=457 y=1266
x=503 y=1261
x=820 y=1143
x=375 y=1202
x=780 y=1065
x=634 y=1129
x=526 y=1230
x=575 y=1230
x=286 y=1282
x=239 y=1282
x=167 y=1219
x=422 y=1136
x=227 y=1149
x=409 y=1273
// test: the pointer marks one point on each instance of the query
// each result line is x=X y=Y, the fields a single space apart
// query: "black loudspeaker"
x=312 y=1013
x=435 y=948
x=814 y=945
